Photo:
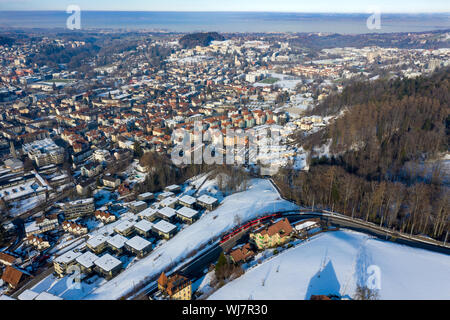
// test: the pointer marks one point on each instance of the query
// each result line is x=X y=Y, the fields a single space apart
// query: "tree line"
x=388 y=127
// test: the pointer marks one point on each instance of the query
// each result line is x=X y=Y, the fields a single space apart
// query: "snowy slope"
x=260 y=199
x=335 y=262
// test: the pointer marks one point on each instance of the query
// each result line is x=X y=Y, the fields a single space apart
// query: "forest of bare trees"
x=387 y=124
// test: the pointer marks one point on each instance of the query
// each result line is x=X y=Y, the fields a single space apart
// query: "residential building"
x=242 y=254
x=8 y=259
x=170 y=202
x=187 y=214
x=276 y=234
x=125 y=228
x=176 y=287
x=74 y=228
x=149 y=214
x=62 y=263
x=104 y=216
x=97 y=244
x=91 y=169
x=164 y=229
x=38 y=242
x=138 y=246
x=86 y=262
x=187 y=201
x=144 y=228
x=14 y=277
x=146 y=196
x=111 y=182
x=117 y=243
x=44 y=152
x=47 y=223
x=108 y=266
x=172 y=188
x=208 y=202
x=137 y=206
x=167 y=213
x=78 y=208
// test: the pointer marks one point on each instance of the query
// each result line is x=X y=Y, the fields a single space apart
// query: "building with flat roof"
x=117 y=243
x=78 y=208
x=44 y=152
x=167 y=213
x=207 y=202
x=125 y=228
x=108 y=266
x=170 y=202
x=164 y=195
x=64 y=261
x=138 y=246
x=97 y=244
x=149 y=214
x=188 y=215
x=137 y=206
x=173 y=188
x=86 y=262
x=144 y=228
x=146 y=196
x=164 y=229
x=187 y=201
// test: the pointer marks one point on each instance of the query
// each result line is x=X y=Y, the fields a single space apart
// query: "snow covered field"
x=335 y=262
x=260 y=199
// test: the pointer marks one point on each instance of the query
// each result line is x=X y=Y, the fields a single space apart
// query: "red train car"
x=249 y=225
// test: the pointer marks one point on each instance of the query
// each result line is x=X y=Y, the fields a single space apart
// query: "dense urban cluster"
x=77 y=186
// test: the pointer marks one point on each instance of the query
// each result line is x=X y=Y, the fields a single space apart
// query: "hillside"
x=388 y=127
x=336 y=263
x=199 y=39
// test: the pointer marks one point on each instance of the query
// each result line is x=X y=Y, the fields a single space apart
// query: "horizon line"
x=222 y=11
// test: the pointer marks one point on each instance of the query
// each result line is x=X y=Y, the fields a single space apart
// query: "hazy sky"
x=360 y=6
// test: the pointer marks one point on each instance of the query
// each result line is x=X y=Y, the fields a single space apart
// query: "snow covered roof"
x=304 y=225
x=127 y=224
x=146 y=194
x=107 y=262
x=188 y=199
x=166 y=195
x=168 y=201
x=138 y=203
x=81 y=201
x=118 y=241
x=164 y=226
x=147 y=213
x=87 y=259
x=68 y=257
x=138 y=243
x=207 y=199
x=172 y=188
x=31 y=227
x=187 y=212
x=167 y=212
x=144 y=225
x=97 y=241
